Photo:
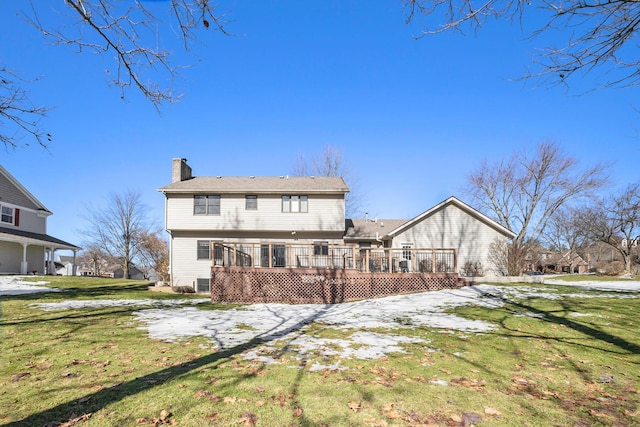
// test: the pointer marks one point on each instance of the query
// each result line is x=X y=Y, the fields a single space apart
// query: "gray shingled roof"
x=43 y=239
x=258 y=184
x=367 y=228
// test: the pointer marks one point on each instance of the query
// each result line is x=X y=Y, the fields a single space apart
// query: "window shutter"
x=16 y=217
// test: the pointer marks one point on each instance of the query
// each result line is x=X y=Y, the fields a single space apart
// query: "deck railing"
x=326 y=256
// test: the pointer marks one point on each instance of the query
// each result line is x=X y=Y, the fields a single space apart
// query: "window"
x=203 y=286
x=251 y=203
x=406 y=255
x=321 y=248
x=206 y=205
x=7 y=215
x=204 y=249
x=295 y=203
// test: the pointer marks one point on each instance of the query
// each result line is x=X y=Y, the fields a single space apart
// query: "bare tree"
x=591 y=33
x=118 y=228
x=95 y=258
x=18 y=114
x=526 y=190
x=616 y=222
x=127 y=32
x=498 y=257
x=331 y=162
x=154 y=254
x=565 y=232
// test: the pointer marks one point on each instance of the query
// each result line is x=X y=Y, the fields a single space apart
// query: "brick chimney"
x=180 y=170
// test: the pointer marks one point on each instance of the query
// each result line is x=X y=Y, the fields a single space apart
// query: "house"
x=299 y=222
x=25 y=246
x=450 y=224
x=134 y=273
x=562 y=262
x=270 y=211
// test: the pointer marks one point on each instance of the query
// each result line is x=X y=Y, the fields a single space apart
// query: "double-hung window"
x=7 y=215
x=206 y=205
x=204 y=249
x=251 y=203
x=295 y=203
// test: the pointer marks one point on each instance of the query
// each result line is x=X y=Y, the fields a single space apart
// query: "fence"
x=318 y=286
x=326 y=256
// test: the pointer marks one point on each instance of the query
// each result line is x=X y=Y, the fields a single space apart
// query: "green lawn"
x=570 y=361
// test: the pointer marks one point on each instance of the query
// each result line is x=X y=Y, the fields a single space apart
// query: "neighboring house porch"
x=25 y=252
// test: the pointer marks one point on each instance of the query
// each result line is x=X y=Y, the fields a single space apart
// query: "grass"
x=563 y=362
x=590 y=277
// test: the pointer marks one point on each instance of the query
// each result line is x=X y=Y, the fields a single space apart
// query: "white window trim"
x=12 y=215
x=295 y=203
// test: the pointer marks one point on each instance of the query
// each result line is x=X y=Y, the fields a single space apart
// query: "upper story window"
x=206 y=205
x=295 y=203
x=7 y=215
x=251 y=203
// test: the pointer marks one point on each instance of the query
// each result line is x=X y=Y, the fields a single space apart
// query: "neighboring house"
x=134 y=273
x=25 y=246
x=272 y=212
x=544 y=260
x=68 y=266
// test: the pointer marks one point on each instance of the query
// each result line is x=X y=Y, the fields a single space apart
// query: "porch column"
x=74 y=268
x=49 y=267
x=23 y=264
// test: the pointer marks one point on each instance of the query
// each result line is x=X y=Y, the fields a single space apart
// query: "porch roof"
x=20 y=236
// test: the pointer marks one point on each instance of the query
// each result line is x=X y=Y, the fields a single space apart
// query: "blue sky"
x=412 y=117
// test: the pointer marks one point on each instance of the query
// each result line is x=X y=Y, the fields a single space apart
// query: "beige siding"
x=186 y=267
x=325 y=213
x=451 y=227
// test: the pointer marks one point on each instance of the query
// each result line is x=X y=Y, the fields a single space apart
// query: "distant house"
x=299 y=222
x=134 y=273
x=544 y=260
x=25 y=246
x=564 y=262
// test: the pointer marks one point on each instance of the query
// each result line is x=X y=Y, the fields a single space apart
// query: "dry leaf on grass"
x=71 y=422
x=249 y=419
x=355 y=406
x=19 y=376
x=491 y=412
x=297 y=412
x=212 y=417
x=372 y=422
x=201 y=393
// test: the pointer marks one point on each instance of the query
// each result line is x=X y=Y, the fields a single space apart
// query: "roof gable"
x=460 y=205
x=11 y=191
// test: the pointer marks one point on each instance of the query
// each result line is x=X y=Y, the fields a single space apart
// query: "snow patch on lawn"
x=16 y=285
x=279 y=329
x=614 y=286
x=101 y=303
